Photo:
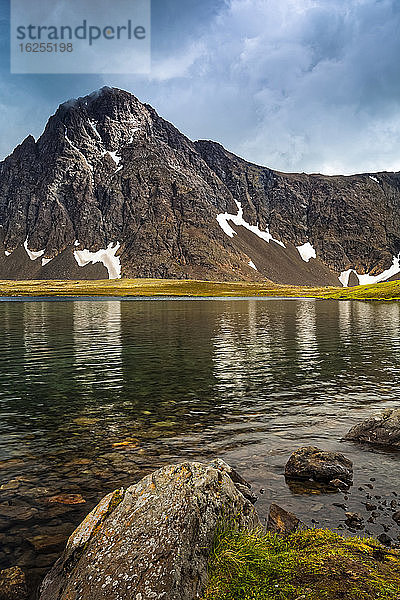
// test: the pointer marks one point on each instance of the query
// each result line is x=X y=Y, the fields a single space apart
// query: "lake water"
x=95 y=394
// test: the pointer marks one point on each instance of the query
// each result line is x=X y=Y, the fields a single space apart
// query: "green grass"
x=309 y=565
x=193 y=288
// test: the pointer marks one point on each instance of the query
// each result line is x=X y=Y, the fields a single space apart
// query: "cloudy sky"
x=297 y=85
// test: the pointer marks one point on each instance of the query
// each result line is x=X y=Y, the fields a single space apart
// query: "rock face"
x=111 y=188
x=320 y=465
x=13 y=584
x=380 y=430
x=151 y=541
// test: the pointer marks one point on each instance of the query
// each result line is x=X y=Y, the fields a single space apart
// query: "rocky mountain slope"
x=111 y=189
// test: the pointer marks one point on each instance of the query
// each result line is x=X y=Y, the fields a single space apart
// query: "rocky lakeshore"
x=177 y=533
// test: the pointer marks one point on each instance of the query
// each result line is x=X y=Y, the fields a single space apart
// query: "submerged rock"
x=153 y=540
x=13 y=584
x=17 y=513
x=354 y=520
x=282 y=522
x=66 y=499
x=320 y=465
x=381 y=430
x=396 y=517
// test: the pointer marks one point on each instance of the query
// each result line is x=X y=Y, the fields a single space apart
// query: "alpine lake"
x=96 y=393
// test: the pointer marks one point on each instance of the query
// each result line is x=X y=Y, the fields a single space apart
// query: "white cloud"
x=295 y=85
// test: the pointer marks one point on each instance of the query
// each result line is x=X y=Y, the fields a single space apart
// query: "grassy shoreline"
x=314 y=564
x=191 y=289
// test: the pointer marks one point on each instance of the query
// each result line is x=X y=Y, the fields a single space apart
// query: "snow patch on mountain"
x=32 y=254
x=367 y=279
x=107 y=256
x=306 y=252
x=238 y=219
x=115 y=157
x=252 y=265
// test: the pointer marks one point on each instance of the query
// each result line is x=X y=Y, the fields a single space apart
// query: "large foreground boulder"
x=320 y=465
x=380 y=430
x=153 y=540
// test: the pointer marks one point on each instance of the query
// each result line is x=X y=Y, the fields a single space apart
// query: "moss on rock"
x=312 y=565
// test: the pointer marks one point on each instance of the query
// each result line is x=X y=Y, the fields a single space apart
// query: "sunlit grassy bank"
x=312 y=565
x=191 y=288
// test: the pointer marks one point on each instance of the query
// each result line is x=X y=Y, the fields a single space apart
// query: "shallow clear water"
x=94 y=394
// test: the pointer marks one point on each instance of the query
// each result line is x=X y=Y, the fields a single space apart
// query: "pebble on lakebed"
x=13 y=584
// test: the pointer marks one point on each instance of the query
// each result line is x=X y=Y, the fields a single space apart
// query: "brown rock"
x=67 y=499
x=13 y=584
x=282 y=522
x=396 y=517
x=17 y=513
x=320 y=465
x=339 y=484
x=45 y=542
x=380 y=430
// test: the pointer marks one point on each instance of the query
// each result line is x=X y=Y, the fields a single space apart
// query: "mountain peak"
x=109 y=179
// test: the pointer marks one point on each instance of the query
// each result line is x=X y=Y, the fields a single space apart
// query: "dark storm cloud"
x=310 y=85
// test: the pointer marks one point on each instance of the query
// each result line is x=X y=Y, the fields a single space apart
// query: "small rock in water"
x=396 y=517
x=370 y=506
x=339 y=505
x=320 y=465
x=354 y=520
x=17 y=513
x=339 y=484
x=281 y=521
x=385 y=539
x=85 y=421
x=13 y=584
x=67 y=499
x=381 y=430
x=46 y=542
